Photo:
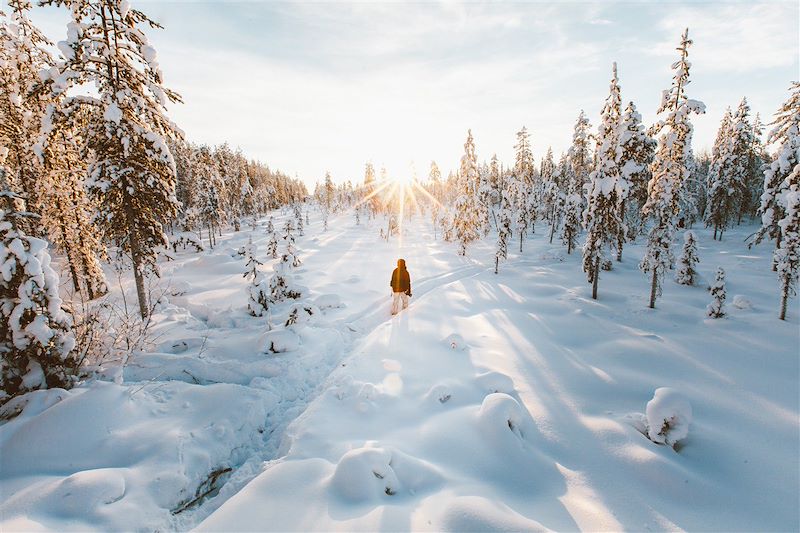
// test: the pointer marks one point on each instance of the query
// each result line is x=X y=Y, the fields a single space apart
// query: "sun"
x=405 y=179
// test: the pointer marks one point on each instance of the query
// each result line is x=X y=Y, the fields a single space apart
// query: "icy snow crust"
x=508 y=402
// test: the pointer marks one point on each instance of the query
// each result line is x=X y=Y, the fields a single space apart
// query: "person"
x=401 y=286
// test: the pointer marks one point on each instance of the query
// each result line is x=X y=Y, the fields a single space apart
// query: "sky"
x=312 y=87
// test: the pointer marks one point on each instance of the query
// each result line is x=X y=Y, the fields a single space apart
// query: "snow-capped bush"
x=36 y=338
x=669 y=414
x=716 y=308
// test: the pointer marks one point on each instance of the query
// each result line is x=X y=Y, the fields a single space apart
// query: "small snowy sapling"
x=687 y=275
x=716 y=308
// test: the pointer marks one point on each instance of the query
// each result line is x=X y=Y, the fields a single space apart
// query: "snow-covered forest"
x=600 y=339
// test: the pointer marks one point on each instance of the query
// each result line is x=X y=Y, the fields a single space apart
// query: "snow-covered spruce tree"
x=36 y=340
x=257 y=290
x=634 y=163
x=467 y=221
x=670 y=169
x=24 y=51
x=742 y=144
x=759 y=159
x=721 y=184
x=579 y=154
x=272 y=247
x=298 y=218
x=786 y=134
x=787 y=256
x=270 y=226
x=288 y=241
x=716 y=308
x=281 y=284
x=687 y=274
x=561 y=178
x=549 y=189
x=132 y=173
x=503 y=234
x=571 y=225
x=602 y=218
x=524 y=172
x=495 y=181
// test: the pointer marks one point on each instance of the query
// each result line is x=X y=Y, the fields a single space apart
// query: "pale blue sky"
x=309 y=87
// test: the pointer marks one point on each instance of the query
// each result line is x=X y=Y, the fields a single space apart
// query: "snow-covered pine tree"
x=66 y=210
x=602 y=218
x=786 y=134
x=524 y=171
x=670 y=169
x=257 y=290
x=716 y=308
x=272 y=247
x=518 y=201
x=759 y=159
x=549 y=189
x=561 y=178
x=787 y=256
x=721 y=184
x=467 y=221
x=579 y=154
x=573 y=208
x=503 y=234
x=132 y=174
x=687 y=274
x=281 y=285
x=298 y=217
x=495 y=181
x=637 y=155
x=742 y=144
x=36 y=339
x=270 y=225
x=24 y=52
x=288 y=240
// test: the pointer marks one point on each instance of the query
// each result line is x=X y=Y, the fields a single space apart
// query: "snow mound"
x=179 y=287
x=440 y=393
x=181 y=345
x=279 y=341
x=495 y=382
x=370 y=474
x=302 y=314
x=86 y=492
x=502 y=419
x=740 y=302
x=455 y=341
x=474 y=513
x=669 y=414
x=328 y=301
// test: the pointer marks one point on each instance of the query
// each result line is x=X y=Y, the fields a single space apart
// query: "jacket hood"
x=401 y=264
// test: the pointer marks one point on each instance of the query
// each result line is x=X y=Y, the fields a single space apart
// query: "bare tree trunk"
x=136 y=258
x=784 y=299
x=496 y=263
x=595 y=277
x=653 y=289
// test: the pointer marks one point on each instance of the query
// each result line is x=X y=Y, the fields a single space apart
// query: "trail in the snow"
x=355 y=264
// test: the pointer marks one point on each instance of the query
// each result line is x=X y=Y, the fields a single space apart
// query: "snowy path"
x=494 y=402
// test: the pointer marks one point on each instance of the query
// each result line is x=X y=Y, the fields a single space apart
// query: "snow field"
x=495 y=402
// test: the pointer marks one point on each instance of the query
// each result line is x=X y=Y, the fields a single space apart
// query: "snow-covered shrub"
x=716 y=308
x=687 y=274
x=669 y=414
x=186 y=238
x=257 y=293
x=741 y=302
x=36 y=338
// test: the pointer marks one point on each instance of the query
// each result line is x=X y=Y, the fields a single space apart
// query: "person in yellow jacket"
x=401 y=286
